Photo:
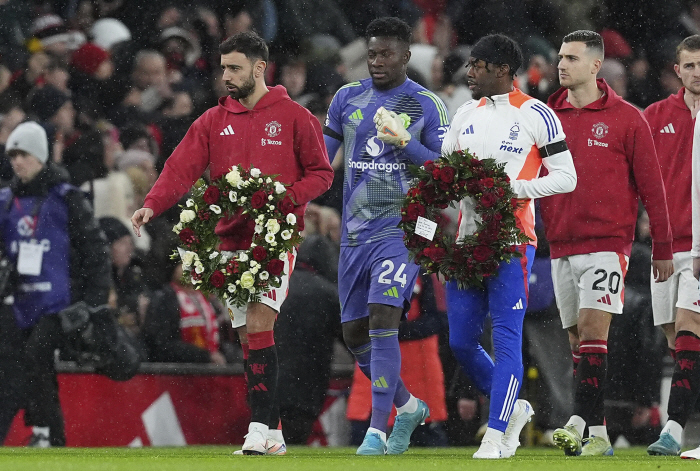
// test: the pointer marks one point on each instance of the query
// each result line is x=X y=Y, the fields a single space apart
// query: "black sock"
x=262 y=376
x=685 y=382
x=590 y=382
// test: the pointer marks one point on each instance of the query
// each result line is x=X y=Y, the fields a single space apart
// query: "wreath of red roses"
x=449 y=179
x=244 y=276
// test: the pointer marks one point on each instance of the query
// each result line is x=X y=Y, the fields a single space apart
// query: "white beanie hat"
x=107 y=32
x=31 y=138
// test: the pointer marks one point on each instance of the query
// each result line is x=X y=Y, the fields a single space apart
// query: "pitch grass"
x=215 y=458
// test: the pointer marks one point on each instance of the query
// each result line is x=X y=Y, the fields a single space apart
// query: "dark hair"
x=499 y=49
x=591 y=39
x=389 y=27
x=690 y=44
x=248 y=43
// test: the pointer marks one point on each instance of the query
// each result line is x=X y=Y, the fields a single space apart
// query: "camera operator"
x=59 y=253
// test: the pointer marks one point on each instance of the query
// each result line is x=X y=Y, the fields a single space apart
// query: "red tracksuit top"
x=616 y=163
x=278 y=136
x=672 y=127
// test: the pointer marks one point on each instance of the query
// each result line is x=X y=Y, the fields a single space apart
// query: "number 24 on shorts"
x=399 y=276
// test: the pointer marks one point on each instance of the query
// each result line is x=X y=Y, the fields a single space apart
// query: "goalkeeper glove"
x=391 y=128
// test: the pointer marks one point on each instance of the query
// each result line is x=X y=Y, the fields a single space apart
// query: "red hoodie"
x=278 y=136
x=672 y=127
x=616 y=164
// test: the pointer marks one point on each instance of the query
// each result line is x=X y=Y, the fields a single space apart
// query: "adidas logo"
x=605 y=300
x=469 y=130
x=380 y=383
x=357 y=115
x=519 y=304
x=668 y=129
x=228 y=131
x=392 y=292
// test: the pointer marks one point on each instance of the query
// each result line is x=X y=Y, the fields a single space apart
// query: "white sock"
x=578 y=423
x=495 y=435
x=41 y=431
x=382 y=435
x=257 y=426
x=276 y=435
x=410 y=407
x=675 y=429
x=598 y=431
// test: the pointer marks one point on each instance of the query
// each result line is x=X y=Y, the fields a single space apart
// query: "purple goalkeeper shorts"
x=375 y=273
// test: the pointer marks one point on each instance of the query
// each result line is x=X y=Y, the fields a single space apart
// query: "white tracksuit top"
x=511 y=129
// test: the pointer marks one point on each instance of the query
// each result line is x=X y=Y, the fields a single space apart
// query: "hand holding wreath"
x=243 y=276
x=450 y=178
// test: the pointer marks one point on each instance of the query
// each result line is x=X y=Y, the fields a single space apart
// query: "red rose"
x=514 y=203
x=275 y=267
x=444 y=186
x=187 y=236
x=429 y=166
x=476 y=163
x=435 y=253
x=286 y=205
x=487 y=182
x=488 y=200
x=211 y=195
x=217 y=279
x=421 y=185
x=447 y=174
x=258 y=199
x=413 y=192
x=259 y=253
x=500 y=192
x=414 y=210
x=473 y=187
x=482 y=253
x=436 y=173
x=429 y=196
x=497 y=216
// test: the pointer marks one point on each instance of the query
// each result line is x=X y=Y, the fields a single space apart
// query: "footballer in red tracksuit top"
x=616 y=163
x=278 y=136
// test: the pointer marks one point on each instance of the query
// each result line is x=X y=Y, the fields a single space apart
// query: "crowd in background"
x=117 y=83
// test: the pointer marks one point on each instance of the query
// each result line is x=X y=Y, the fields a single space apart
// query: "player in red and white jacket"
x=263 y=127
x=675 y=301
x=590 y=230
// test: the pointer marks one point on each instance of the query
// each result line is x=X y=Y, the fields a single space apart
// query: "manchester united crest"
x=600 y=130
x=273 y=128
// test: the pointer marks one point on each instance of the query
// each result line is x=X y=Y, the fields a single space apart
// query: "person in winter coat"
x=48 y=232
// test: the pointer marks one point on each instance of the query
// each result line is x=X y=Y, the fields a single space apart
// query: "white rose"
x=291 y=218
x=232 y=196
x=246 y=183
x=273 y=243
x=189 y=203
x=270 y=197
x=247 y=280
x=268 y=180
x=251 y=289
x=255 y=172
x=279 y=188
x=258 y=229
x=260 y=219
x=215 y=209
x=283 y=256
x=233 y=177
x=269 y=206
x=243 y=257
x=231 y=288
x=198 y=267
x=264 y=275
x=213 y=255
x=253 y=263
x=187 y=260
x=243 y=198
x=273 y=227
x=269 y=238
x=177 y=228
x=286 y=234
x=223 y=260
x=255 y=270
x=187 y=215
x=260 y=180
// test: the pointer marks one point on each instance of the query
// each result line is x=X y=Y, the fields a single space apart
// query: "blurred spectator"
x=54 y=111
x=108 y=33
x=142 y=160
x=181 y=324
x=306 y=18
x=292 y=75
x=613 y=72
x=448 y=76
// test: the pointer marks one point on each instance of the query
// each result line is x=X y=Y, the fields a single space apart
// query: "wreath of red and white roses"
x=243 y=276
x=449 y=179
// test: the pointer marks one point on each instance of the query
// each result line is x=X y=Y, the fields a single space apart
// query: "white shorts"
x=589 y=281
x=273 y=298
x=679 y=291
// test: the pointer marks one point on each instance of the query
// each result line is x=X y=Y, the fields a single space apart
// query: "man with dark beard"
x=256 y=126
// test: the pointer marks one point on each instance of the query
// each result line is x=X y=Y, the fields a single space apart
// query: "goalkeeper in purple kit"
x=385 y=123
